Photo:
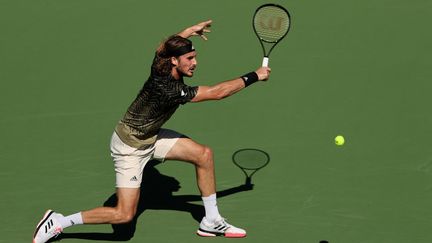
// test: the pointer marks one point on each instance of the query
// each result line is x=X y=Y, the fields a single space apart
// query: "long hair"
x=162 y=65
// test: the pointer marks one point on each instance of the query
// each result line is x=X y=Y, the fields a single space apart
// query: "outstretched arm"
x=198 y=29
x=230 y=87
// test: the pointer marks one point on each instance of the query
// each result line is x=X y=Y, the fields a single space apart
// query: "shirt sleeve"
x=181 y=93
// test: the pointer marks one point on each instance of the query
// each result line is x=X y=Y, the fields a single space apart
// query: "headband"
x=182 y=50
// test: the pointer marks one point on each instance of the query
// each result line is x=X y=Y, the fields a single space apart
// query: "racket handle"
x=265 y=62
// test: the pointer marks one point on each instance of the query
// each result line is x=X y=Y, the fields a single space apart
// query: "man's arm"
x=198 y=29
x=227 y=88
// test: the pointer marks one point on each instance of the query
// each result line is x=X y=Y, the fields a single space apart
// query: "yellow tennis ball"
x=339 y=140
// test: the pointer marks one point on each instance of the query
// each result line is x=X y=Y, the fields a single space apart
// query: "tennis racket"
x=250 y=161
x=271 y=23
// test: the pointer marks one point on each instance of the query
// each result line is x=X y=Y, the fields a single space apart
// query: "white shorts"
x=129 y=162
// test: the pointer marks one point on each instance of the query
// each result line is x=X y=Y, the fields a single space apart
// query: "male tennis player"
x=138 y=138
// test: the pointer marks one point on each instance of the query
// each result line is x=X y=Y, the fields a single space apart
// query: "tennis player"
x=139 y=137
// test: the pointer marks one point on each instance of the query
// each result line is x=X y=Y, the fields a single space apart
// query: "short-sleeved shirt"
x=154 y=105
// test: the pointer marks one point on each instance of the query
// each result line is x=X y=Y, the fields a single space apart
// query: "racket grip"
x=265 y=62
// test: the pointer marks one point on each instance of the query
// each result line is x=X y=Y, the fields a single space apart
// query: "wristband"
x=250 y=78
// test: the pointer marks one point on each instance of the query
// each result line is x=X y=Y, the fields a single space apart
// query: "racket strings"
x=271 y=23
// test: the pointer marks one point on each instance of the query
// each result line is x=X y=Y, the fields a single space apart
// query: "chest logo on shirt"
x=183 y=94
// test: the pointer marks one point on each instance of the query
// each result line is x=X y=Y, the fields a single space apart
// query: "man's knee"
x=205 y=157
x=123 y=217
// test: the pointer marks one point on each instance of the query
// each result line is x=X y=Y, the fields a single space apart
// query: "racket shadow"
x=250 y=160
x=156 y=194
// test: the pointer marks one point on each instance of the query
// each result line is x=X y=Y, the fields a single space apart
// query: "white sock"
x=74 y=219
x=211 y=209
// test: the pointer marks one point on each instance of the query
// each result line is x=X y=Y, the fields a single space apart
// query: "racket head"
x=250 y=159
x=271 y=22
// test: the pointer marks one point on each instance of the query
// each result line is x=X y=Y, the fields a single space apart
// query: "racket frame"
x=261 y=40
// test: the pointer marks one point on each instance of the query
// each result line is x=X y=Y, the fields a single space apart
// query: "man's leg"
x=129 y=163
x=185 y=149
x=53 y=223
x=124 y=212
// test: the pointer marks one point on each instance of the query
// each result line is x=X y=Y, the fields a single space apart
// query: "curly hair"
x=162 y=65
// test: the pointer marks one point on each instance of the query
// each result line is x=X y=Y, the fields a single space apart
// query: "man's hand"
x=263 y=73
x=198 y=29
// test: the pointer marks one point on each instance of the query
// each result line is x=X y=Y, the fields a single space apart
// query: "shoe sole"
x=226 y=235
x=44 y=218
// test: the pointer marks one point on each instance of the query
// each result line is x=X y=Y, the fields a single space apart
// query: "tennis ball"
x=339 y=140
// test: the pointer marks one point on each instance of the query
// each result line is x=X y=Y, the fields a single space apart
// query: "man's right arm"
x=227 y=88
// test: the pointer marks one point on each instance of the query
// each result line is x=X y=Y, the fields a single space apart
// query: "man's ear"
x=174 y=61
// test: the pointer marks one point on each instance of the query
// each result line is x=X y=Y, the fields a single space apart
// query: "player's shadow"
x=156 y=194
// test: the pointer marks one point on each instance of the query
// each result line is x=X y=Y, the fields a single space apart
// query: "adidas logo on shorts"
x=134 y=179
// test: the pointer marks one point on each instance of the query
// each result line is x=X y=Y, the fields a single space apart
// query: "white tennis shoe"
x=48 y=228
x=219 y=228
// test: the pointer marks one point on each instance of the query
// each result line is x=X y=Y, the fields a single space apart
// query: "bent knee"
x=205 y=156
x=124 y=217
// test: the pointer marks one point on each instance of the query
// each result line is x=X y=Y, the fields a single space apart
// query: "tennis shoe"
x=219 y=227
x=48 y=228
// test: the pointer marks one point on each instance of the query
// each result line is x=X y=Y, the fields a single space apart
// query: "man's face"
x=186 y=64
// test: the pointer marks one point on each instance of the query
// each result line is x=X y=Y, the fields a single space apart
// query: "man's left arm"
x=198 y=29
